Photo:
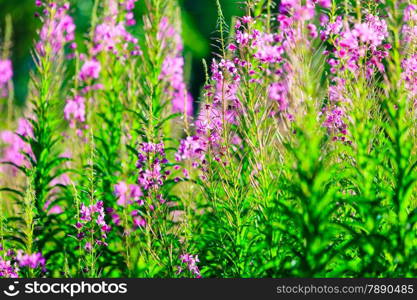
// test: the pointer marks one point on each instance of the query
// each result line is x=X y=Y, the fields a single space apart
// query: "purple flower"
x=7 y=269
x=111 y=35
x=127 y=194
x=120 y=190
x=173 y=69
x=88 y=247
x=74 y=110
x=191 y=262
x=193 y=148
x=90 y=70
x=151 y=160
x=16 y=148
x=409 y=76
x=325 y=3
x=6 y=71
x=92 y=220
x=139 y=222
x=56 y=32
x=279 y=92
x=33 y=261
x=55 y=210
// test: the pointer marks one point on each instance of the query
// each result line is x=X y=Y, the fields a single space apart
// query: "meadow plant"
x=296 y=160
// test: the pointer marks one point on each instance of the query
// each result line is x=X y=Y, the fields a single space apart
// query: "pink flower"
x=127 y=194
x=278 y=92
x=92 y=219
x=139 y=222
x=56 y=32
x=90 y=70
x=17 y=149
x=325 y=3
x=173 y=69
x=120 y=191
x=88 y=247
x=55 y=210
x=191 y=262
x=74 y=110
x=6 y=71
x=32 y=261
x=7 y=270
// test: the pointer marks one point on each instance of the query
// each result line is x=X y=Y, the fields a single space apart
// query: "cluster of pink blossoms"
x=74 y=110
x=192 y=148
x=110 y=36
x=152 y=173
x=409 y=30
x=191 y=263
x=58 y=29
x=208 y=135
x=363 y=42
x=6 y=74
x=269 y=48
x=173 y=68
x=353 y=44
x=151 y=164
x=11 y=263
x=131 y=197
x=91 y=217
x=268 y=51
x=409 y=63
x=7 y=269
x=128 y=194
x=17 y=149
x=33 y=261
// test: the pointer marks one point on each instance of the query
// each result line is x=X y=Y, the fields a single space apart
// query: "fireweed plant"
x=298 y=158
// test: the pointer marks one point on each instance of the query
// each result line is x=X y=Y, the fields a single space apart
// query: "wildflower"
x=8 y=269
x=33 y=261
x=191 y=262
x=17 y=149
x=151 y=161
x=112 y=36
x=268 y=51
x=91 y=218
x=373 y=31
x=192 y=148
x=334 y=121
x=57 y=30
x=325 y=3
x=278 y=92
x=365 y=41
x=139 y=222
x=172 y=72
x=55 y=210
x=409 y=75
x=173 y=69
x=6 y=71
x=88 y=247
x=90 y=70
x=232 y=47
x=74 y=110
x=312 y=30
x=127 y=194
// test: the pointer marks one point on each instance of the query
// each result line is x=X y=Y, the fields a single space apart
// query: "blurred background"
x=199 y=19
